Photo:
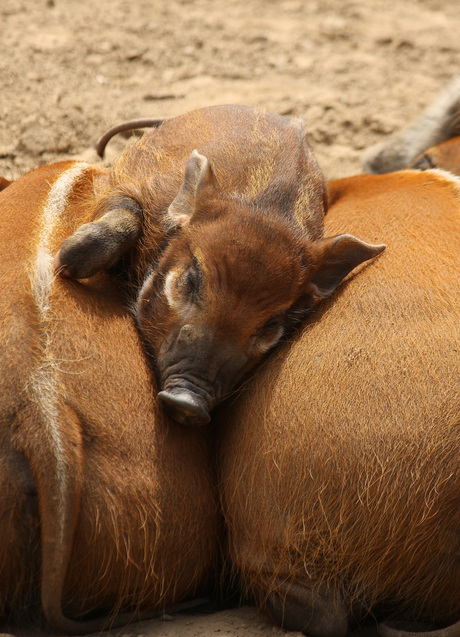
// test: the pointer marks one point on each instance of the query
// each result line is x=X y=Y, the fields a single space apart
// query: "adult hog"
x=339 y=463
x=445 y=156
x=439 y=123
x=4 y=183
x=105 y=505
x=213 y=225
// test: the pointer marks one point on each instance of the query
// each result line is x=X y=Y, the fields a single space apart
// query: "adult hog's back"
x=103 y=504
x=339 y=468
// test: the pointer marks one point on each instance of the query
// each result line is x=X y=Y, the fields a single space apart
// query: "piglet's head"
x=228 y=287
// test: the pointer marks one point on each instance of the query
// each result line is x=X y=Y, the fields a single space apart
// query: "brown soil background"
x=356 y=70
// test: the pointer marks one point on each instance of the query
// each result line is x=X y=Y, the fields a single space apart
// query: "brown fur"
x=113 y=509
x=4 y=183
x=131 y=495
x=343 y=479
x=221 y=211
x=338 y=465
x=254 y=154
x=445 y=156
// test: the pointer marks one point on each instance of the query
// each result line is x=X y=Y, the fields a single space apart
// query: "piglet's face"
x=219 y=301
x=230 y=284
x=228 y=288
x=224 y=294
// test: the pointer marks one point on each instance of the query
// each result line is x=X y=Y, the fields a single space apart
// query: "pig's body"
x=105 y=504
x=339 y=464
x=221 y=261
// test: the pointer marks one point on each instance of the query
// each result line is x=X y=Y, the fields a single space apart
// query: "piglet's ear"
x=198 y=174
x=335 y=258
x=98 y=245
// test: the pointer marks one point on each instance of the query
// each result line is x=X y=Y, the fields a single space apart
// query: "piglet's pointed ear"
x=198 y=173
x=335 y=258
x=98 y=245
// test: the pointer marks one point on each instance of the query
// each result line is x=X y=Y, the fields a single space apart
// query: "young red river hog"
x=339 y=462
x=213 y=224
x=105 y=504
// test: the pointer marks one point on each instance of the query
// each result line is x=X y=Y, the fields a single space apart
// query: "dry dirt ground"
x=357 y=70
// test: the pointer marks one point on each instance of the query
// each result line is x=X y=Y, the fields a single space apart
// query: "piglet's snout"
x=185 y=407
x=197 y=368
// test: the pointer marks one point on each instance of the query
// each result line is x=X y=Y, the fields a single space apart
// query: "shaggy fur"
x=339 y=469
x=440 y=122
x=103 y=503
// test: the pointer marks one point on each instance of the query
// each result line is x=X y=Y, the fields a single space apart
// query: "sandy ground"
x=241 y=622
x=356 y=70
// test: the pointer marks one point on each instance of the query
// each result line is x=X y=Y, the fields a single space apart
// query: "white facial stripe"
x=136 y=307
x=44 y=381
x=172 y=302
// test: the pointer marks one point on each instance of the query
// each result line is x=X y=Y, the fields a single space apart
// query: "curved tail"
x=132 y=124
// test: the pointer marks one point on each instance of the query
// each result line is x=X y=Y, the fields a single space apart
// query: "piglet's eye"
x=193 y=281
x=267 y=336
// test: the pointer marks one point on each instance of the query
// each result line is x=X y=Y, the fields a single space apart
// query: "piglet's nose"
x=185 y=407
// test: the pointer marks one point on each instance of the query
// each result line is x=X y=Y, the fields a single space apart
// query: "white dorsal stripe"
x=44 y=381
x=42 y=274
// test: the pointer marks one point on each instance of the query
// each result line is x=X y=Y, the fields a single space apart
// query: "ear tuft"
x=336 y=258
x=197 y=174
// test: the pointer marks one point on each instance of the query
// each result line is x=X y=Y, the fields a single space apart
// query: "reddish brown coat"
x=339 y=466
x=445 y=156
x=104 y=504
x=220 y=214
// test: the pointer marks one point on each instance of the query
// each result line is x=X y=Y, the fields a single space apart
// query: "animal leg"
x=449 y=631
x=317 y=612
